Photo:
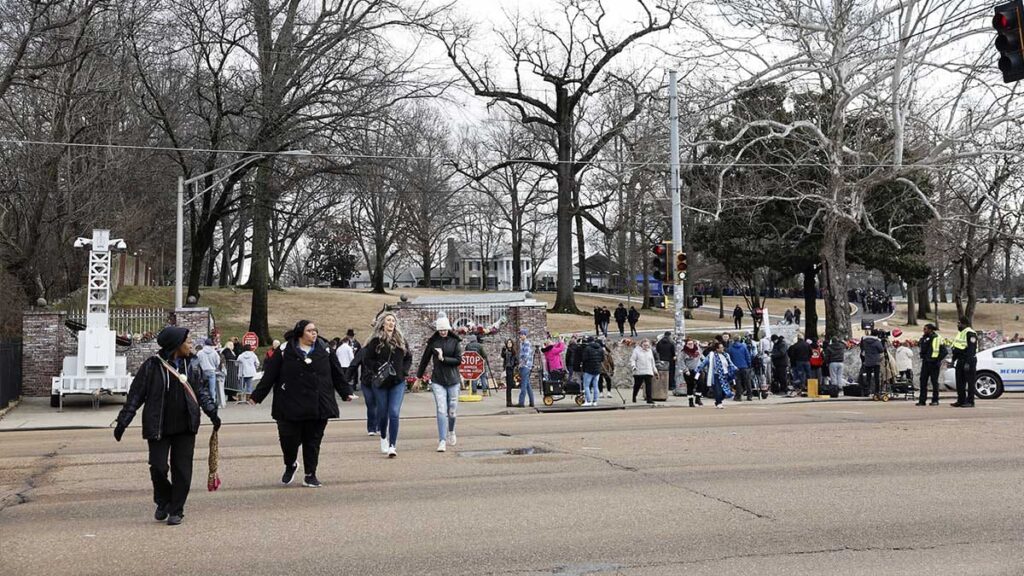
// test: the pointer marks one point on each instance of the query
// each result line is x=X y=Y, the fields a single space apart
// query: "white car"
x=1000 y=369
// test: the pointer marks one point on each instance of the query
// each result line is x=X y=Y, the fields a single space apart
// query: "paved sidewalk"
x=36 y=414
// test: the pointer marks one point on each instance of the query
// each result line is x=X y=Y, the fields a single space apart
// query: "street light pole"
x=179 y=242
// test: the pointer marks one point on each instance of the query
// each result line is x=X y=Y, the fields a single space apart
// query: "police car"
x=1000 y=369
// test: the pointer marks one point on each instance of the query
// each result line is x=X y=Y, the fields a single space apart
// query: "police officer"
x=965 y=360
x=932 y=355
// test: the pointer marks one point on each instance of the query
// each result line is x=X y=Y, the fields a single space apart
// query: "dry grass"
x=1008 y=318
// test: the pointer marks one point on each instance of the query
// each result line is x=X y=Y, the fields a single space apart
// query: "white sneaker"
x=371 y=433
x=442 y=446
x=383 y=446
x=720 y=406
x=392 y=452
x=607 y=394
x=452 y=439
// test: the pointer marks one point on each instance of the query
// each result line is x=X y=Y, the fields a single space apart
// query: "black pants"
x=671 y=374
x=510 y=382
x=622 y=327
x=929 y=371
x=645 y=381
x=738 y=323
x=872 y=377
x=308 y=434
x=779 y=377
x=965 y=380
x=632 y=329
x=604 y=383
x=744 y=383
x=692 y=384
x=177 y=450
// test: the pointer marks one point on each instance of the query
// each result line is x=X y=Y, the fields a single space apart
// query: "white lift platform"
x=97 y=370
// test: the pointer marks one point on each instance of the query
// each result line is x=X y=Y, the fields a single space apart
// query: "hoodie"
x=740 y=354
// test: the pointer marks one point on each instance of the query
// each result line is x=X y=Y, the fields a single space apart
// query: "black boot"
x=691 y=401
x=699 y=403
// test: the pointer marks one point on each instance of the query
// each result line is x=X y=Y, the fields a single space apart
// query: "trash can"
x=659 y=388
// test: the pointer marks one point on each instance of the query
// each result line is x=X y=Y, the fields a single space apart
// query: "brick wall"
x=197 y=320
x=44 y=346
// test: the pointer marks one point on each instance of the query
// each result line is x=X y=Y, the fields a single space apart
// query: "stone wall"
x=44 y=346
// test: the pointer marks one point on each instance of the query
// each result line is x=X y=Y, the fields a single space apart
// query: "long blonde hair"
x=396 y=340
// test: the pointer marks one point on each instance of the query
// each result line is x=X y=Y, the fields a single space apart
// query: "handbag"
x=385 y=375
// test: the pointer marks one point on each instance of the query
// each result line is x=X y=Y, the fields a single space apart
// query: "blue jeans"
x=524 y=386
x=247 y=384
x=370 y=398
x=389 y=404
x=446 y=400
x=478 y=384
x=590 y=382
x=835 y=371
x=211 y=382
x=801 y=371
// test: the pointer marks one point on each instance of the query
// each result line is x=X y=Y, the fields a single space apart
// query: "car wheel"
x=988 y=386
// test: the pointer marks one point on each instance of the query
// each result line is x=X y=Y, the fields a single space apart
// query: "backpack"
x=816 y=357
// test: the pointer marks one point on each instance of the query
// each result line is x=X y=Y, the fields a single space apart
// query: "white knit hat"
x=442 y=322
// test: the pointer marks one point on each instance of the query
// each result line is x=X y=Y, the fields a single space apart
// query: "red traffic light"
x=658 y=249
x=1000 y=22
x=1010 y=39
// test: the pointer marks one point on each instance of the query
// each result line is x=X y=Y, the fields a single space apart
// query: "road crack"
x=43 y=466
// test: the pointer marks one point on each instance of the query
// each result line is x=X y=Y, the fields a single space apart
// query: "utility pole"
x=678 y=293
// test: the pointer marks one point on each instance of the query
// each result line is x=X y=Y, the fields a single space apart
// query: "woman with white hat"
x=444 y=349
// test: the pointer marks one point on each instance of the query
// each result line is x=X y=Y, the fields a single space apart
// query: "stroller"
x=557 y=386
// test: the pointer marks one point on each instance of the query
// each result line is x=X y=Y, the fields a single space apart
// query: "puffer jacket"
x=553 y=356
x=150 y=388
x=593 y=357
x=445 y=370
x=871 y=350
x=836 y=351
x=303 y=390
x=779 y=353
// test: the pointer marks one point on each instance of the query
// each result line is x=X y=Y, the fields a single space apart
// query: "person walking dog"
x=304 y=376
x=169 y=387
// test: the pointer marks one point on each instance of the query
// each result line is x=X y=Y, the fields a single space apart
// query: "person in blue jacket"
x=740 y=356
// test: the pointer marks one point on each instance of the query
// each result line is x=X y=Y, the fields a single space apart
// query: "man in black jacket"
x=800 y=361
x=633 y=316
x=666 y=352
x=592 y=357
x=620 y=319
x=932 y=355
x=171 y=390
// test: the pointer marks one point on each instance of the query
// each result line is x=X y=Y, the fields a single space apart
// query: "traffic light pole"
x=678 y=294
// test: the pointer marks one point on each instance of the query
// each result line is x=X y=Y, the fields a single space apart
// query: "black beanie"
x=171 y=337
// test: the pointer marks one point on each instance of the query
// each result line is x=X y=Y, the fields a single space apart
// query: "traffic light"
x=681 y=265
x=1010 y=39
x=658 y=261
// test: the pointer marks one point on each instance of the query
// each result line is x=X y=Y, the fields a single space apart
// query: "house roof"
x=495 y=298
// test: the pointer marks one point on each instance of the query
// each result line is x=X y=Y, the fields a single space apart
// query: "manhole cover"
x=528 y=451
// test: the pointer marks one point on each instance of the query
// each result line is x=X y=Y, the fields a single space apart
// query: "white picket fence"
x=130 y=321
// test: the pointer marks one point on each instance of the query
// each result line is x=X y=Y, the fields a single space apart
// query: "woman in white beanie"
x=444 y=349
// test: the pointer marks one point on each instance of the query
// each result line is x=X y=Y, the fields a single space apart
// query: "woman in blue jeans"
x=525 y=367
x=369 y=392
x=444 y=350
x=388 y=345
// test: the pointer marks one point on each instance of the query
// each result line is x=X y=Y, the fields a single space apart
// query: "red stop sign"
x=251 y=340
x=472 y=366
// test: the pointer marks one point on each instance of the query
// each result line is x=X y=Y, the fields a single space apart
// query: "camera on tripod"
x=869 y=326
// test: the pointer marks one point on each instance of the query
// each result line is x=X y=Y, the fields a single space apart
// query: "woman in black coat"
x=388 y=345
x=304 y=375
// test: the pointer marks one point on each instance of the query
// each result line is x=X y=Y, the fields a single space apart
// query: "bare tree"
x=572 y=59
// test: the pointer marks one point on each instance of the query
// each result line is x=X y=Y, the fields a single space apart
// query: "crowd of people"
x=306 y=374
x=872 y=300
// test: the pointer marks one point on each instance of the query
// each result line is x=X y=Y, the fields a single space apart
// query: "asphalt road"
x=835 y=488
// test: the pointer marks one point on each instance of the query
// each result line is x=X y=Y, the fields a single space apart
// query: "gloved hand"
x=216 y=421
x=119 y=432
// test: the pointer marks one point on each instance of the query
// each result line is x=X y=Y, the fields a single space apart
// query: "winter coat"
x=608 y=365
x=153 y=386
x=209 y=359
x=871 y=350
x=739 y=354
x=737 y=312
x=553 y=356
x=641 y=362
x=666 y=349
x=303 y=383
x=372 y=356
x=620 y=314
x=779 y=353
x=572 y=352
x=690 y=362
x=836 y=352
x=718 y=368
x=445 y=370
x=525 y=355
x=248 y=364
x=633 y=316
x=904 y=359
x=593 y=357
x=800 y=351
x=510 y=358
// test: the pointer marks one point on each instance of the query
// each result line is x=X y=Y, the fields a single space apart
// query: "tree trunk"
x=259 y=269
x=428 y=262
x=565 y=299
x=833 y=275
x=211 y=267
x=225 y=261
x=940 y=285
x=517 y=258
x=581 y=248
x=912 y=292
x=811 y=303
x=924 y=307
x=1008 y=270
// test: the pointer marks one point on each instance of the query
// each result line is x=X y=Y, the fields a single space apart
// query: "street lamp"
x=182 y=182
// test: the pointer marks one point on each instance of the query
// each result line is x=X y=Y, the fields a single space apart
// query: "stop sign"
x=472 y=366
x=251 y=340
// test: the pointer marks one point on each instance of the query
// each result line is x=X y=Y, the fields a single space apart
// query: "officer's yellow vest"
x=960 y=343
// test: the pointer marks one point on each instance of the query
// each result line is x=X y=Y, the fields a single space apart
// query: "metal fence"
x=470 y=315
x=10 y=371
x=134 y=321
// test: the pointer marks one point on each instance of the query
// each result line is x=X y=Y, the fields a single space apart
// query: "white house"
x=464 y=264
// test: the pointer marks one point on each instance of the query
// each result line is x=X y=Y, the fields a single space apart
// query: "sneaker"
x=392 y=452
x=919 y=404
x=289 y=473
x=607 y=394
x=968 y=405
x=310 y=481
x=720 y=406
x=452 y=439
x=175 y=519
x=936 y=403
x=371 y=433
x=383 y=446
x=161 y=514
x=442 y=446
